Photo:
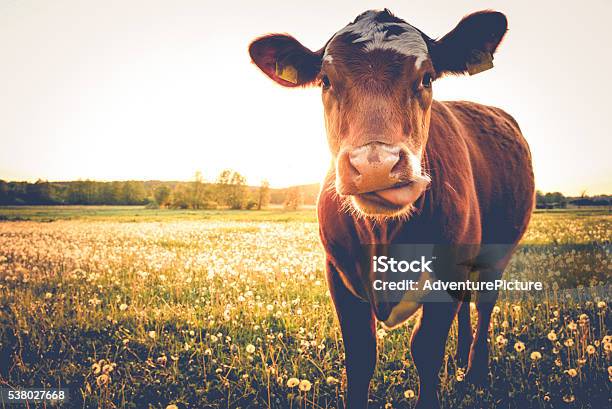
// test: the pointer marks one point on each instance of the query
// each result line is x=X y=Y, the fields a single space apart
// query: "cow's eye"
x=427 y=79
x=325 y=82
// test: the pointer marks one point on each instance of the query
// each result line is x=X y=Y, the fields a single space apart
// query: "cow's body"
x=481 y=191
x=410 y=170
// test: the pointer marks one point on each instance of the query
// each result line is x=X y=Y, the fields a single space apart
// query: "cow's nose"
x=371 y=167
x=376 y=159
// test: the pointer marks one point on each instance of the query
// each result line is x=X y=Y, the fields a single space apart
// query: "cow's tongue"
x=403 y=195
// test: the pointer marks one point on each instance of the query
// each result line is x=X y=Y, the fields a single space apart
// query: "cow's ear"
x=285 y=60
x=469 y=47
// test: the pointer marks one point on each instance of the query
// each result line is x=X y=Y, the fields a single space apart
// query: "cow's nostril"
x=401 y=165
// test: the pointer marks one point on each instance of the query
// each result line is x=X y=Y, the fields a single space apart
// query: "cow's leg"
x=427 y=347
x=464 y=333
x=358 y=333
x=478 y=366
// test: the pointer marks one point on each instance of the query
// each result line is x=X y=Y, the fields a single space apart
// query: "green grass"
x=136 y=308
x=142 y=214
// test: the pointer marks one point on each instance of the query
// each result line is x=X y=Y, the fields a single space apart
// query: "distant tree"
x=162 y=195
x=232 y=189
x=264 y=195
x=39 y=192
x=181 y=197
x=294 y=198
x=110 y=193
x=198 y=194
x=5 y=197
x=133 y=193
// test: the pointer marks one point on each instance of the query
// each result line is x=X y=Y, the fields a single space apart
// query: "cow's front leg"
x=427 y=348
x=464 y=333
x=358 y=333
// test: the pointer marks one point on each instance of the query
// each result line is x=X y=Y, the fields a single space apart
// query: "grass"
x=135 y=308
x=141 y=214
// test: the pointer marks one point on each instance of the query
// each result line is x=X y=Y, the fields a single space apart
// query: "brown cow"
x=409 y=169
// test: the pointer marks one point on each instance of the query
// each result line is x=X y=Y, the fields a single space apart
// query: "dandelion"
x=501 y=341
x=590 y=349
x=496 y=310
x=305 y=385
x=552 y=336
x=601 y=305
x=409 y=394
x=535 y=356
x=519 y=346
x=293 y=382
x=568 y=398
x=103 y=380
x=152 y=334
x=96 y=368
x=123 y=307
x=250 y=348
x=516 y=309
x=48 y=296
x=333 y=381
x=172 y=406
x=571 y=372
x=460 y=375
x=568 y=342
x=572 y=326
x=381 y=333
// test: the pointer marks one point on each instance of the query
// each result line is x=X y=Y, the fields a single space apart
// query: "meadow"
x=136 y=308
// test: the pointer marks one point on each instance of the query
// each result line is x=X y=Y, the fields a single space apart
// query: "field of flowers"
x=221 y=313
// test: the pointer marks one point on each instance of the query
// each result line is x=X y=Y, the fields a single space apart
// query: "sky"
x=142 y=89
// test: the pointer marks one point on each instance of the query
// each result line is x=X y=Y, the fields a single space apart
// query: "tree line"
x=556 y=200
x=229 y=190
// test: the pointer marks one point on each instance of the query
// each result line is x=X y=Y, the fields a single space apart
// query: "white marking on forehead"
x=374 y=34
x=328 y=58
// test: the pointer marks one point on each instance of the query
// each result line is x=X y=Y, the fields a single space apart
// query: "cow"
x=409 y=169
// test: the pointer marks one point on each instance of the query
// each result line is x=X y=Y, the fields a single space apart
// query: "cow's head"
x=376 y=78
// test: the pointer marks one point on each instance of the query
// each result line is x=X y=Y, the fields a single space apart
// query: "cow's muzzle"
x=381 y=178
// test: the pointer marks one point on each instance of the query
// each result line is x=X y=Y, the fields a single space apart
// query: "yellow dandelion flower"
x=568 y=342
x=250 y=348
x=572 y=326
x=152 y=334
x=568 y=398
x=103 y=380
x=305 y=385
x=519 y=346
x=552 y=336
x=601 y=305
x=535 y=356
x=571 y=372
x=409 y=394
x=331 y=380
x=123 y=307
x=172 y=406
x=293 y=382
x=590 y=349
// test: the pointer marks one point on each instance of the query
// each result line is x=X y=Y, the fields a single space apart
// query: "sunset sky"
x=145 y=89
